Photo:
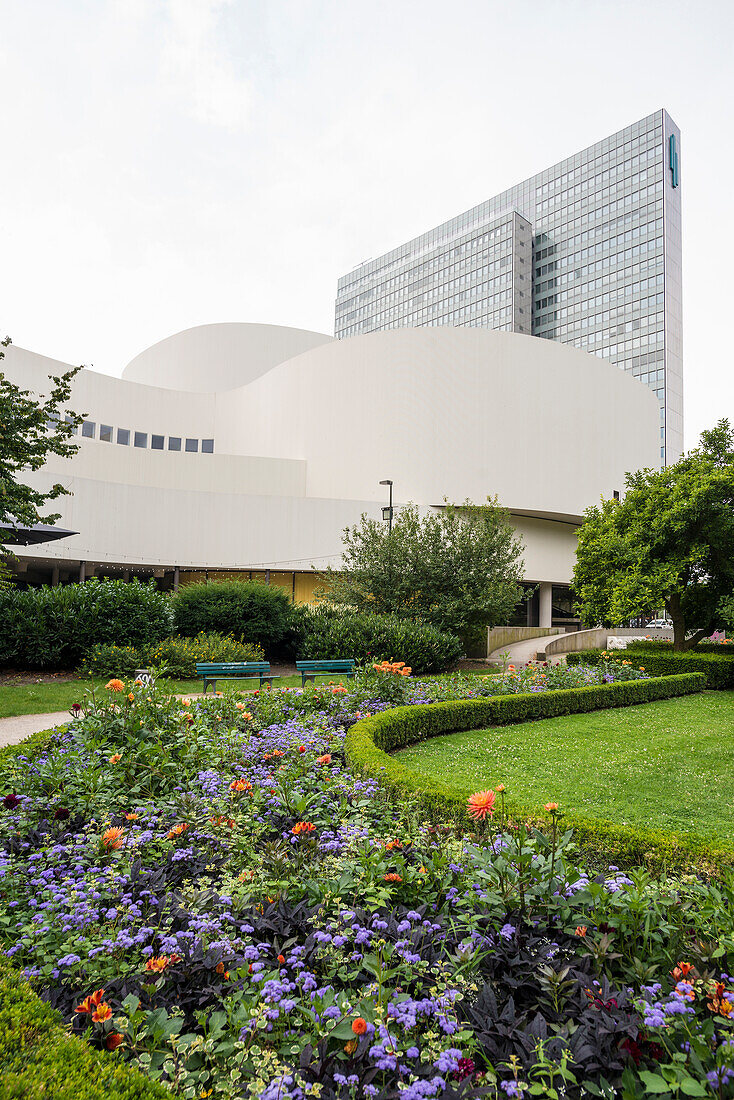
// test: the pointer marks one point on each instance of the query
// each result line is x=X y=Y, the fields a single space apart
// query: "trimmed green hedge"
x=369 y=742
x=718 y=670
x=667 y=647
x=40 y=1060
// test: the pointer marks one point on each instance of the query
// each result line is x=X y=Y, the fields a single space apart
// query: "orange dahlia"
x=112 y=838
x=481 y=805
x=114 y=685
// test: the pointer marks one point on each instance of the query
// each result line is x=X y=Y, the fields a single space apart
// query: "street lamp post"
x=387 y=512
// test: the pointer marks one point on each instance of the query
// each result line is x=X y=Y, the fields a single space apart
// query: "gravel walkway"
x=13 y=730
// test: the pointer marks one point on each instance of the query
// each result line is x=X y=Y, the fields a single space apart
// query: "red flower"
x=359 y=1026
x=11 y=801
x=113 y=1040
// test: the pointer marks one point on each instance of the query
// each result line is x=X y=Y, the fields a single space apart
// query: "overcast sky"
x=167 y=163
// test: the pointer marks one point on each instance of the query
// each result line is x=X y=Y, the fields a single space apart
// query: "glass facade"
x=604 y=265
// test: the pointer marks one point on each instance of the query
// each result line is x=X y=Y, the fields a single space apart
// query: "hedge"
x=54 y=627
x=40 y=1060
x=326 y=633
x=369 y=742
x=718 y=670
x=721 y=649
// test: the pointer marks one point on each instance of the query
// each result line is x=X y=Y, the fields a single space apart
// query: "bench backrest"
x=255 y=667
x=341 y=665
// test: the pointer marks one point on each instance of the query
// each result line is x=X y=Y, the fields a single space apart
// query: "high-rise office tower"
x=587 y=252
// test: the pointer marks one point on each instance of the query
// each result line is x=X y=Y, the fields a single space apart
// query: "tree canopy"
x=31 y=428
x=669 y=543
x=457 y=568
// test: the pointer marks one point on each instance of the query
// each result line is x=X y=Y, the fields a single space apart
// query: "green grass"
x=665 y=765
x=16 y=699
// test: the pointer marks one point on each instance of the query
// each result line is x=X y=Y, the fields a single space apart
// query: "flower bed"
x=206 y=891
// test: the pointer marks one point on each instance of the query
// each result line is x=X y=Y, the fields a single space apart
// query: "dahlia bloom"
x=480 y=805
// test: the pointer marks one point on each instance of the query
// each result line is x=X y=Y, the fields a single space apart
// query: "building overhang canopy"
x=16 y=534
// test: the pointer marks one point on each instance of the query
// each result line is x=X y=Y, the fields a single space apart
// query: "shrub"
x=54 y=627
x=331 y=633
x=179 y=655
x=248 y=610
x=40 y=1060
x=652 y=645
x=718 y=670
x=369 y=742
x=112 y=660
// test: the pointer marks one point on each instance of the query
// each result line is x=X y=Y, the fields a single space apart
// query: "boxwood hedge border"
x=717 y=668
x=370 y=741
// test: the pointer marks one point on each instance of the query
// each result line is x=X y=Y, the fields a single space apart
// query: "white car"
x=659 y=624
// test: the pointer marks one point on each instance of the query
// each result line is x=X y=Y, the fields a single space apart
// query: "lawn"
x=665 y=765
x=48 y=698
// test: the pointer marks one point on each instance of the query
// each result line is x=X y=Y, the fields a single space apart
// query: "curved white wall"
x=218 y=357
x=301 y=448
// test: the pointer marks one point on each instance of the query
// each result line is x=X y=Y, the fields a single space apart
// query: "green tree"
x=32 y=427
x=457 y=568
x=669 y=543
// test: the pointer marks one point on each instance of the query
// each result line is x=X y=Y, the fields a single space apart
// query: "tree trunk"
x=680 y=643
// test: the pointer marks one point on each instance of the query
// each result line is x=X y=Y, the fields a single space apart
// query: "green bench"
x=309 y=670
x=242 y=670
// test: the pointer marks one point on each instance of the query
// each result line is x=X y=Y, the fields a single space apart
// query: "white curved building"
x=246 y=449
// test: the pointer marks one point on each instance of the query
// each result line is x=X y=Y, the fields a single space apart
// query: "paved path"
x=523 y=652
x=13 y=730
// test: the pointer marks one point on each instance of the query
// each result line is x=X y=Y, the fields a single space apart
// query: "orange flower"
x=351 y=1046
x=177 y=830
x=581 y=930
x=682 y=970
x=103 y=1012
x=185 y=702
x=112 y=838
x=303 y=827
x=480 y=805
x=500 y=788
x=325 y=759
x=113 y=1040
x=301 y=748
x=359 y=1026
x=91 y=1001
x=116 y=758
x=131 y=697
x=131 y=817
x=240 y=785
x=160 y=963
x=392 y=877
x=551 y=807
x=281 y=959
x=392 y=844
x=114 y=685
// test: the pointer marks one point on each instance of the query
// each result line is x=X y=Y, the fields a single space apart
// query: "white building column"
x=545 y=601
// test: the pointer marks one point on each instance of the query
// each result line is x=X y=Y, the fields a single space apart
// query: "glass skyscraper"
x=587 y=252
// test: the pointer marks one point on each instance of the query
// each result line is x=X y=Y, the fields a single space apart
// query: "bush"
x=40 y=1060
x=54 y=627
x=179 y=655
x=253 y=612
x=112 y=660
x=369 y=742
x=718 y=670
x=722 y=649
x=331 y=633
